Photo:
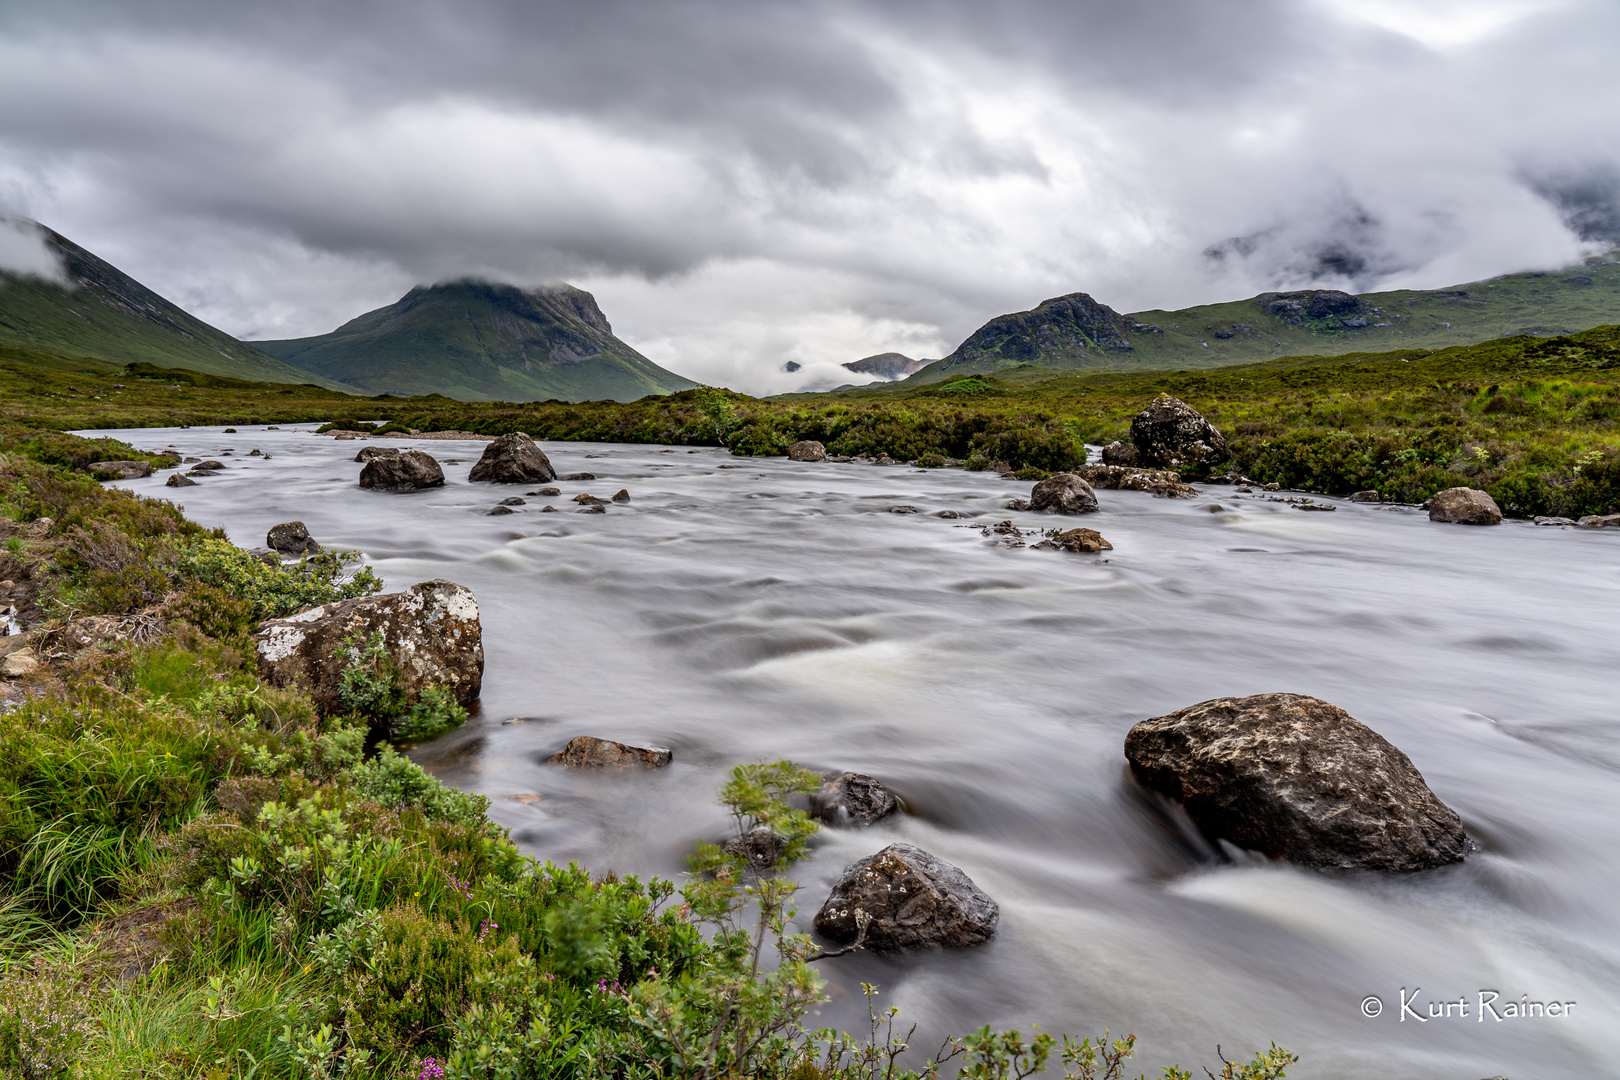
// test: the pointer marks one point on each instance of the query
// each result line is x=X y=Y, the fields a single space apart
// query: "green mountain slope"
x=1076 y=332
x=478 y=341
x=109 y=316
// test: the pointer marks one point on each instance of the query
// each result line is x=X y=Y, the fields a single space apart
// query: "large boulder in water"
x=513 y=459
x=1464 y=506
x=912 y=899
x=1064 y=493
x=430 y=631
x=1296 y=778
x=807 y=450
x=409 y=470
x=588 y=751
x=1170 y=434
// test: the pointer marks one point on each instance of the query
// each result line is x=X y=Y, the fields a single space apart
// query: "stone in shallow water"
x=291 y=538
x=1064 y=493
x=1464 y=506
x=410 y=470
x=512 y=459
x=913 y=900
x=852 y=798
x=586 y=751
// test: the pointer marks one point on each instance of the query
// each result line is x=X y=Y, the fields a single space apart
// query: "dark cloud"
x=752 y=184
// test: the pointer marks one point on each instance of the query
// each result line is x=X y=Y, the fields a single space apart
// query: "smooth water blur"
x=779 y=610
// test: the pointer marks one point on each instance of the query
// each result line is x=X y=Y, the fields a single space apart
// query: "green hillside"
x=110 y=317
x=478 y=341
x=1075 y=332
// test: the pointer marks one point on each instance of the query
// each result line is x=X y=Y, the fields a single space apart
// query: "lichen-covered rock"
x=1464 y=506
x=119 y=470
x=759 y=846
x=291 y=538
x=1064 y=493
x=1296 y=778
x=430 y=631
x=1161 y=483
x=368 y=452
x=589 y=751
x=409 y=470
x=807 y=450
x=1170 y=434
x=513 y=459
x=852 y=798
x=1122 y=454
x=1077 y=540
x=913 y=900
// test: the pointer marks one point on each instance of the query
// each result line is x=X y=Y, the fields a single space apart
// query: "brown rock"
x=1296 y=778
x=589 y=751
x=807 y=450
x=623 y=496
x=1600 y=521
x=409 y=470
x=908 y=899
x=1064 y=493
x=291 y=538
x=1464 y=506
x=119 y=470
x=1161 y=483
x=1367 y=496
x=759 y=846
x=513 y=459
x=430 y=631
x=19 y=664
x=179 y=480
x=1077 y=540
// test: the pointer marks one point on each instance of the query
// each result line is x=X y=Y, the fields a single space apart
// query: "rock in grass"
x=587 y=751
x=179 y=480
x=1464 y=506
x=913 y=900
x=852 y=798
x=431 y=632
x=409 y=470
x=1064 y=493
x=1076 y=540
x=291 y=538
x=119 y=470
x=1296 y=778
x=1170 y=434
x=807 y=450
x=513 y=459
x=368 y=452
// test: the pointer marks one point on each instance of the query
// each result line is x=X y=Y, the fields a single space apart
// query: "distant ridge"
x=889 y=365
x=480 y=341
x=107 y=315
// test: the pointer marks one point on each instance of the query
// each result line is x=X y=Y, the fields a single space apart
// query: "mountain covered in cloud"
x=889 y=365
x=481 y=341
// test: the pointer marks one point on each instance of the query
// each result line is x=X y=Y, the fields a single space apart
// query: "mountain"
x=1076 y=331
x=889 y=365
x=94 y=310
x=479 y=341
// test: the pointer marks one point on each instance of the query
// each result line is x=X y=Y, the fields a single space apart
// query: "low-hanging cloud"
x=24 y=252
x=749 y=183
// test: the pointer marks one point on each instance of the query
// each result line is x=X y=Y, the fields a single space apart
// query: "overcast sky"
x=746 y=183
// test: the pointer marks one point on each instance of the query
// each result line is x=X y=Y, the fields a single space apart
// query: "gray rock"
x=1077 y=540
x=1161 y=483
x=1296 y=778
x=913 y=900
x=1170 y=434
x=1064 y=493
x=852 y=799
x=368 y=452
x=1464 y=506
x=409 y=470
x=592 y=476
x=512 y=459
x=119 y=470
x=1367 y=496
x=498 y=510
x=291 y=538
x=1119 y=453
x=1541 y=519
x=807 y=450
x=589 y=751
x=431 y=633
x=759 y=846
x=178 y=480
x=1600 y=521
x=209 y=466
x=512 y=500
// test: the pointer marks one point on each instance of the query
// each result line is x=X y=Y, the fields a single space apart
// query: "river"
x=780 y=610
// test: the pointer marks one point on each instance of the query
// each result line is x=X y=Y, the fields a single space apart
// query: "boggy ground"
x=204 y=876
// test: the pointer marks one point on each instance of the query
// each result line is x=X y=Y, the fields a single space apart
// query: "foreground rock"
x=1170 y=434
x=291 y=538
x=912 y=899
x=1064 y=493
x=1464 y=506
x=807 y=450
x=513 y=459
x=852 y=798
x=409 y=470
x=1076 y=540
x=589 y=751
x=1161 y=483
x=1296 y=778
x=119 y=470
x=430 y=631
x=368 y=452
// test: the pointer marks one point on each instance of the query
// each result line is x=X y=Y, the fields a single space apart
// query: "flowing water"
x=780 y=610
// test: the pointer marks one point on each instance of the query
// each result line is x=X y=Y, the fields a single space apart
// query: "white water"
x=777 y=610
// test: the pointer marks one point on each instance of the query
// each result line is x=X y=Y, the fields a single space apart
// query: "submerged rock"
x=580 y=476
x=1064 y=493
x=807 y=450
x=913 y=900
x=1296 y=778
x=512 y=459
x=1077 y=540
x=1170 y=434
x=430 y=631
x=852 y=798
x=498 y=509
x=408 y=470
x=119 y=470
x=589 y=751
x=1464 y=506
x=291 y=538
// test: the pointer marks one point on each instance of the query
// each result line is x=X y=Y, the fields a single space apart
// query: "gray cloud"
x=749 y=183
x=23 y=252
